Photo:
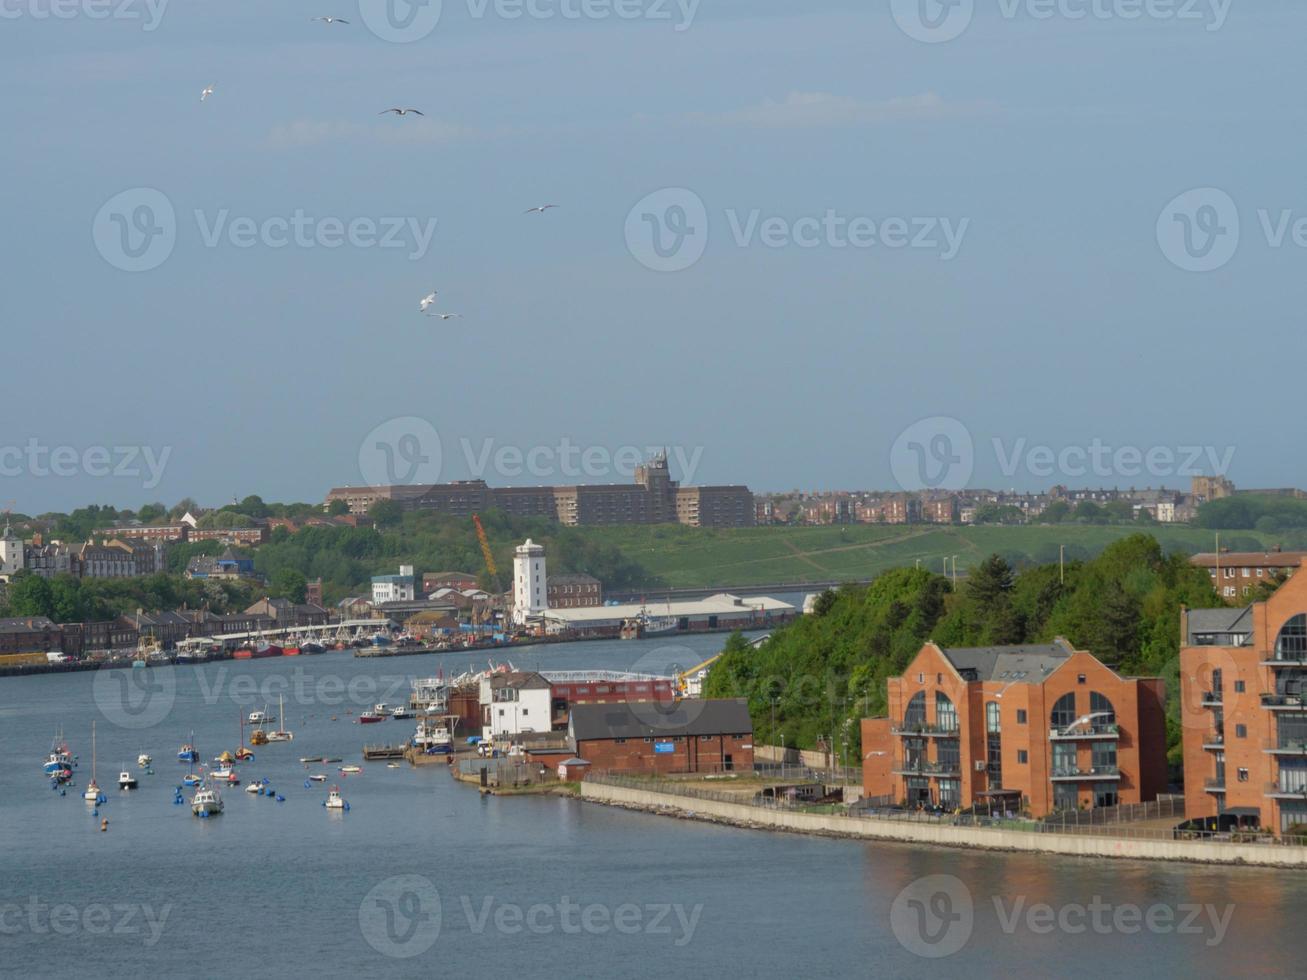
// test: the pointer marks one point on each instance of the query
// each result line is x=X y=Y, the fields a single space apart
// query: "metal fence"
x=1163 y=807
x=1119 y=829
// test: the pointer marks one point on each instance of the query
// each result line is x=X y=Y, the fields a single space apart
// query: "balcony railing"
x=1214 y=742
x=1282 y=702
x=1282 y=661
x=923 y=768
x=926 y=731
x=1084 y=731
x=1214 y=784
x=1285 y=746
x=1212 y=699
x=1065 y=773
x=1277 y=792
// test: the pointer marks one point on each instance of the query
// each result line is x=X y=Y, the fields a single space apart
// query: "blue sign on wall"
x=662 y=748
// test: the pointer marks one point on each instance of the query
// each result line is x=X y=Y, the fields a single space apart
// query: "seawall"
x=943 y=835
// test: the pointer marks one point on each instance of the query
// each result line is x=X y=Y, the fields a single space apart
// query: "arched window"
x=992 y=724
x=1101 y=708
x=1064 y=712
x=915 y=714
x=1291 y=644
x=946 y=715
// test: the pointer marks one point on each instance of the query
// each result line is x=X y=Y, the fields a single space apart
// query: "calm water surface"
x=523 y=886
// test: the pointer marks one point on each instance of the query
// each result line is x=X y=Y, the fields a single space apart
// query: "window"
x=1023 y=756
x=946 y=713
x=993 y=722
x=1064 y=712
x=1291 y=644
x=1243 y=775
x=1101 y=708
x=1240 y=731
x=1238 y=687
x=914 y=716
x=1080 y=678
x=1021 y=716
x=525 y=712
x=1104 y=755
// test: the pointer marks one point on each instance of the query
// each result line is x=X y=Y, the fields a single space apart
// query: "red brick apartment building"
x=1235 y=573
x=692 y=736
x=1037 y=728
x=1243 y=687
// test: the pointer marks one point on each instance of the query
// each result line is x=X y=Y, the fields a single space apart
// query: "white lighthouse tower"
x=11 y=553
x=529 y=598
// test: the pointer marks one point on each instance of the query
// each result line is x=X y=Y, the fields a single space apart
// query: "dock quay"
x=387 y=751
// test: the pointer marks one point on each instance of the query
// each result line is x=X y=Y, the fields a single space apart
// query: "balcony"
x=1284 y=702
x=1214 y=784
x=1084 y=731
x=1281 y=662
x=925 y=731
x=1065 y=774
x=1277 y=792
x=1286 y=746
x=1211 y=699
x=1214 y=743
x=923 y=768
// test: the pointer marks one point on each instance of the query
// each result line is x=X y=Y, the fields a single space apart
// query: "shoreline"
x=747 y=817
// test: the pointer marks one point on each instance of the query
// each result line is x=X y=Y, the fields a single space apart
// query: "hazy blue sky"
x=1050 y=146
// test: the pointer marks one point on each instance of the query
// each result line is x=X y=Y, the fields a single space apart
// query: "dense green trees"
x=65 y=599
x=828 y=670
x=1262 y=512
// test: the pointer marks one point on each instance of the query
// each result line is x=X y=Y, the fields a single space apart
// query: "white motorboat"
x=126 y=780
x=334 y=800
x=258 y=718
x=206 y=803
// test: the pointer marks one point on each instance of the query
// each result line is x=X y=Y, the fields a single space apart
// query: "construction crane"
x=485 y=551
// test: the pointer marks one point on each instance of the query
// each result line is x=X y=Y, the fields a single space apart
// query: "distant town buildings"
x=395 y=588
x=653 y=498
x=1235 y=574
x=971 y=506
x=573 y=591
x=1036 y=728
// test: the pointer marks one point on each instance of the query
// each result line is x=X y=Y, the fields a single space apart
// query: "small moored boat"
x=126 y=780
x=206 y=803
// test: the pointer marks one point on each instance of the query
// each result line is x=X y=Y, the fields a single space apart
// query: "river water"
x=423 y=876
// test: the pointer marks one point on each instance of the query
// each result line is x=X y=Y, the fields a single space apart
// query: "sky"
x=999 y=245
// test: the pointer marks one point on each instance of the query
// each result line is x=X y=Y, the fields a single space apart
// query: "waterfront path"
x=1135 y=844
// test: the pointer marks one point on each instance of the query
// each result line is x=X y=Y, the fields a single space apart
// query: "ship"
x=643 y=626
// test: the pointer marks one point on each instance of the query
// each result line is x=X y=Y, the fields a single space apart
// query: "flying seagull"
x=402 y=112
x=540 y=210
x=427 y=301
x=446 y=316
x=330 y=20
x=208 y=91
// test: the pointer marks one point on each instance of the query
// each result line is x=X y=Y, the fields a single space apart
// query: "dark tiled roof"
x=651 y=719
x=1030 y=662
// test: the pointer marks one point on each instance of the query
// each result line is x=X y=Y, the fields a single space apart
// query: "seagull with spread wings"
x=402 y=112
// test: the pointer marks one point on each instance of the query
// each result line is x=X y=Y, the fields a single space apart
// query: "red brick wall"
x=691 y=753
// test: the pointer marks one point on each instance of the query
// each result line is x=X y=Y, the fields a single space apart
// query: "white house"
x=529 y=598
x=514 y=702
x=395 y=588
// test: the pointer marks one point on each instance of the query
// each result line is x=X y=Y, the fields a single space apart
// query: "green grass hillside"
x=696 y=557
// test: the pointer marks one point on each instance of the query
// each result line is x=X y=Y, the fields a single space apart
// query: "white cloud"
x=823 y=109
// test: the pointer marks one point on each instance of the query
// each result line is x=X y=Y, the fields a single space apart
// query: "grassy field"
x=692 y=557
